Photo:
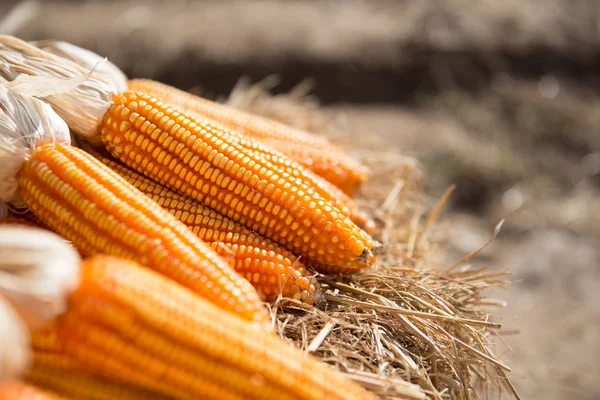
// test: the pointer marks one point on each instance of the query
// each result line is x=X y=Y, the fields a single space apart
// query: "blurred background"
x=501 y=98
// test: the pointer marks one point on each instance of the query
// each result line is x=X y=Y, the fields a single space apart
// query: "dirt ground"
x=499 y=98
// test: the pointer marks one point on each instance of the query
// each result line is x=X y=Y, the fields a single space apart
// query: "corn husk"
x=14 y=343
x=78 y=95
x=25 y=123
x=38 y=269
x=87 y=59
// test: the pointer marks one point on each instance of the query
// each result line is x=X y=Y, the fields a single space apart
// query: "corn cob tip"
x=364 y=260
x=305 y=289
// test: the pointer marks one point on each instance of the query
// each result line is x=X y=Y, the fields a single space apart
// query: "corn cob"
x=204 y=163
x=275 y=159
x=89 y=204
x=313 y=152
x=18 y=390
x=62 y=375
x=130 y=324
x=271 y=269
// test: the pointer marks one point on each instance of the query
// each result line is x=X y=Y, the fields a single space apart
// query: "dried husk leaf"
x=25 y=123
x=38 y=269
x=87 y=59
x=14 y=343
x=78 y=95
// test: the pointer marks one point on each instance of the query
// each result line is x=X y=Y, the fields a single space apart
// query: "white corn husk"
x=87 y=59
x=14 y=343
x=38 y=270
x=78 y=95
x=25 y=123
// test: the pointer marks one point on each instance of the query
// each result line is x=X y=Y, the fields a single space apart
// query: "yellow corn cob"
x=64 y=376
x=270 y=268
x=205 y=163
x=89 y=204
x=130 y=324
x=313 y=152
x=321 y=186
x=17 y=390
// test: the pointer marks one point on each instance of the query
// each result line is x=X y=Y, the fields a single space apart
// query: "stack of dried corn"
x=240 y=201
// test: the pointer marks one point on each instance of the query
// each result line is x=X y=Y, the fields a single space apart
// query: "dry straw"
x=409 y=327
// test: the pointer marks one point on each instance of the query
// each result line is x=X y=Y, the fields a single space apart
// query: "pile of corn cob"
x=223 y=209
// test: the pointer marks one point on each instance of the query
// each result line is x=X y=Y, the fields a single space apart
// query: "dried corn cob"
x=130 y=324
x=315 y=153
x=17 y=390
x=202 y=162
x=62 y=375
x=271 y=269
x=86 y=202
x=321 y=186
x=196 y=159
